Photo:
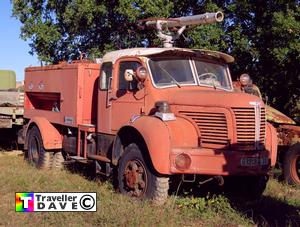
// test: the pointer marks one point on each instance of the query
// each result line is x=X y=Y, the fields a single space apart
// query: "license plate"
x=256 y=161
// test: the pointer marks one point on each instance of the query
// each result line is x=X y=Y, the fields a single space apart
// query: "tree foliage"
x=262 y=35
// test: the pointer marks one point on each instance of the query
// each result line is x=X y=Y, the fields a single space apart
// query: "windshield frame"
x=194 y=73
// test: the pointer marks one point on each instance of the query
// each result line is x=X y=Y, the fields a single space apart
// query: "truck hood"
x=213 y=98
x=276 y=116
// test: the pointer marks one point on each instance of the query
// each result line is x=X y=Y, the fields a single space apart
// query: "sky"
x=14 y=52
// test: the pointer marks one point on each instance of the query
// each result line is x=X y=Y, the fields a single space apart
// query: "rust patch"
x=288 y=134
x=276 y=116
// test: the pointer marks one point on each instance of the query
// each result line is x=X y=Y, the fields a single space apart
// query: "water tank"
x=7 y=79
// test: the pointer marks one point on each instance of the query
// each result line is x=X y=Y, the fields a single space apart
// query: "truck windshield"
x=212 y=74
x=167 y=72
x=172 y=72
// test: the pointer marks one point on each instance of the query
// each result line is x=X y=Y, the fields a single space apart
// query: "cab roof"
x=144 y=52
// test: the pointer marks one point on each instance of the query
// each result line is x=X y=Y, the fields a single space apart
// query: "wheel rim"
x=34 y=150
x=296 y=168
x=135 y=178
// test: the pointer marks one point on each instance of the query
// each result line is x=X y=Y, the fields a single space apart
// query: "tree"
x=267 y=35
x=60 y=30
x=262 y=35
x=264 y=38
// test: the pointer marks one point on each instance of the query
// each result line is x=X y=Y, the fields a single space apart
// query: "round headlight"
x=162 y=106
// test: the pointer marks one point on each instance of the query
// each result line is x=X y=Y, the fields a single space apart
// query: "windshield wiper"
x=170 y=76
x=215 y=87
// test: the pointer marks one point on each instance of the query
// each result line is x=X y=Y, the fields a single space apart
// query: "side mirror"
x=129 y=75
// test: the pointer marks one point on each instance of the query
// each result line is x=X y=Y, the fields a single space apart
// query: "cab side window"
x=123 y=84
x=105 y=76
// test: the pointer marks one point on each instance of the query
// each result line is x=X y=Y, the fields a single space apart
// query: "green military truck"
x=11 y=100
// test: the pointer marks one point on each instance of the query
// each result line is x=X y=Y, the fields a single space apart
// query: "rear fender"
x=51 y=137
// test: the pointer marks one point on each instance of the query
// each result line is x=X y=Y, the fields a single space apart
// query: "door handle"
x=113 y=97
x=110 y=97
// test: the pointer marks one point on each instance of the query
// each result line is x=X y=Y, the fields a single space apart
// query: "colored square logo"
x=24 y=202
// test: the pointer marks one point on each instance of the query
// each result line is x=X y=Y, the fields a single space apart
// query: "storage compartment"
x=65 y=94
x=44 y=101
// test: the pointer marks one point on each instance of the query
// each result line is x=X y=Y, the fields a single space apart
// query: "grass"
x=284 y=193
x=114 y=209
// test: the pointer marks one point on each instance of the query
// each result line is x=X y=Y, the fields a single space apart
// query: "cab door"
x=127 y=100
x=104 y=102
x=118 y=100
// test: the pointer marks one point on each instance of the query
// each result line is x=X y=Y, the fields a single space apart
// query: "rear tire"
x=291 y=165
x=58 y=160
x=137 y=179
x=36 y=152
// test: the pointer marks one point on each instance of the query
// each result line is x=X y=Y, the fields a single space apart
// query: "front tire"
x=36 y=153
x=137 y=179
x=291 y=165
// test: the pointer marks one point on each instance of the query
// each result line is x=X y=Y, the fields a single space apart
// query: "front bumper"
x=221 y=162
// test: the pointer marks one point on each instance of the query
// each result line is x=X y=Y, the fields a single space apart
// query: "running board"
x=79 y=159
x=91 y=157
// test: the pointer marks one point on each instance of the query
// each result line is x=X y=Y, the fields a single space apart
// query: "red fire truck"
x=149 y=114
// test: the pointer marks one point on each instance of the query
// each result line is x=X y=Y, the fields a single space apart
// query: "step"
x=77 y=158
x=80 y=159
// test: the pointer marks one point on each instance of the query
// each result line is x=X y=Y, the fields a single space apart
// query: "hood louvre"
x=212 y=126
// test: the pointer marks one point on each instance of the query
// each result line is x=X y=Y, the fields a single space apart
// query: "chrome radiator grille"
x=213 y=126
x=250 y=126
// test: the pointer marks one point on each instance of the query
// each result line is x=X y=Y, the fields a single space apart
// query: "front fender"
x=161 y=136
x=271 y=143
x=50 y=135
